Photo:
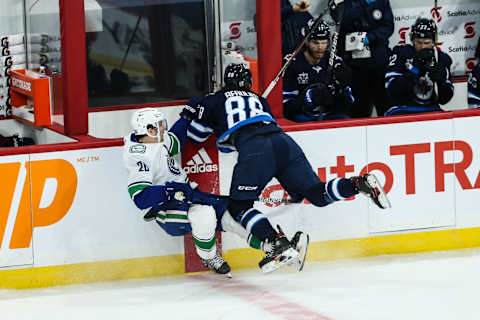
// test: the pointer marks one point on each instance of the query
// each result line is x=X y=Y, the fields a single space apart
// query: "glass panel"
x=147 y=52
x=11 y=23
x=238 y=35
x=43 y=49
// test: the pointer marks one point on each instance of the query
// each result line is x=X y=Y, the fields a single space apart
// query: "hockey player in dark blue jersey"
x=413 y=70
x=310 y=91
x=243 y=121
x=474 y=88
x=366 y=26
x=473 y=83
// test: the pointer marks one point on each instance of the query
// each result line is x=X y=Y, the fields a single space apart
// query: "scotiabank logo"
x=470 y=64
x=34 y=204
x=403 y=35
x=436 y=15
x=469 y=30
x=235 y=30
x=200 y=163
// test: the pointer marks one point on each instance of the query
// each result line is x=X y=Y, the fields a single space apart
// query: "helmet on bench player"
x=321 y=31
x=423 y=28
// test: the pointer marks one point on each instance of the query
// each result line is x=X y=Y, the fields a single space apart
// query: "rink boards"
x=66 y=217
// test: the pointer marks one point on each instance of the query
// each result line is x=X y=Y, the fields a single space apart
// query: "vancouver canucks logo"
x=171 y=166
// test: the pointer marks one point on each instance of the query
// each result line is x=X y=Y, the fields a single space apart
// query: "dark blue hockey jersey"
x=474 y=88
x=225 y=112
x=299 y=75
x=405 y=88
x=376 y=19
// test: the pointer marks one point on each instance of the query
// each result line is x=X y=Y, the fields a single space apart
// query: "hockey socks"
x=323 y=194
x=206 y=248
x=257 y=224
x=340 y=189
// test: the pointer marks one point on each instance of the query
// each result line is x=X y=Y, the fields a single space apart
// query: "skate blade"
x=382 y=195
x=228 y=275
x=282 y=261
x=302 y=247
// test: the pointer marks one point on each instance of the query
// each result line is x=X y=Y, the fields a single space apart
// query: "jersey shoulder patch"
x=137 y=148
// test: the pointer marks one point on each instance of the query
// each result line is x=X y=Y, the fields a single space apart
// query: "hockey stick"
x=435 y=51
x=134 y=33
x=291 y=56
x=333 y=49
x=276 y=200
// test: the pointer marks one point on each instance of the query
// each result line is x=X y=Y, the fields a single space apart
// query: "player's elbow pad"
x=150 y=196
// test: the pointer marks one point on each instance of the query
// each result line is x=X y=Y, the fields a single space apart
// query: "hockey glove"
x=438 y=73
x=318 y=98
x=342 y=75
x=179 y=192
x=192 y=110
x=423 y=60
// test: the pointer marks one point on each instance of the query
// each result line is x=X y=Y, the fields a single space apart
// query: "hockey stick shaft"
x=266 y=200
x=333 y=49
x=435 y=51
x=131 y=41
x=292 y=55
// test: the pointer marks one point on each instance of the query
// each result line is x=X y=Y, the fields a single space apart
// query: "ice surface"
x=438 y=285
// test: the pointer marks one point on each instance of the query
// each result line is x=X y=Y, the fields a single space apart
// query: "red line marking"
x=276 y=305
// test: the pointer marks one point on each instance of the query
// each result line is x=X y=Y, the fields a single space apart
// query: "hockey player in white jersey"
x=158 y=185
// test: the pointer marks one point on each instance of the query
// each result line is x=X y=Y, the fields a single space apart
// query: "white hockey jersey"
x=152 y=163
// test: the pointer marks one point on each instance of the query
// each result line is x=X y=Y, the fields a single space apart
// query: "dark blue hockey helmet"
x=237 y=75
x=320 y=32
x=423 y=28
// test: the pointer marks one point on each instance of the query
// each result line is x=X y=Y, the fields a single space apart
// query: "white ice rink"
x=439 y=285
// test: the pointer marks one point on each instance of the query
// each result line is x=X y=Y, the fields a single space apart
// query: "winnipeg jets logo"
x=423 y=90
x=302 y=78
x=317 y=69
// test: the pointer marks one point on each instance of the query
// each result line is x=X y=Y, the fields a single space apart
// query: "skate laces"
x=216 y=261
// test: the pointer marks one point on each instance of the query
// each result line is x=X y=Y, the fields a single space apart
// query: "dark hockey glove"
x=423 y=60
x=192 y=110
x=179 y=192
x=318 y=98
x=438 y=73
x=335 y=7
x=342 y=75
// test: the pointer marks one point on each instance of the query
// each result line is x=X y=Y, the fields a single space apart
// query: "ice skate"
x=369 y=185
x=278 y=253
x=218 y=265
x=300 y=243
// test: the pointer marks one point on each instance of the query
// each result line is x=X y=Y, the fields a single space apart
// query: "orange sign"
x=30 y=214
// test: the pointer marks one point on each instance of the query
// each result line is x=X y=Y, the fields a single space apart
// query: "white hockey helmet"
x=143 y=119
